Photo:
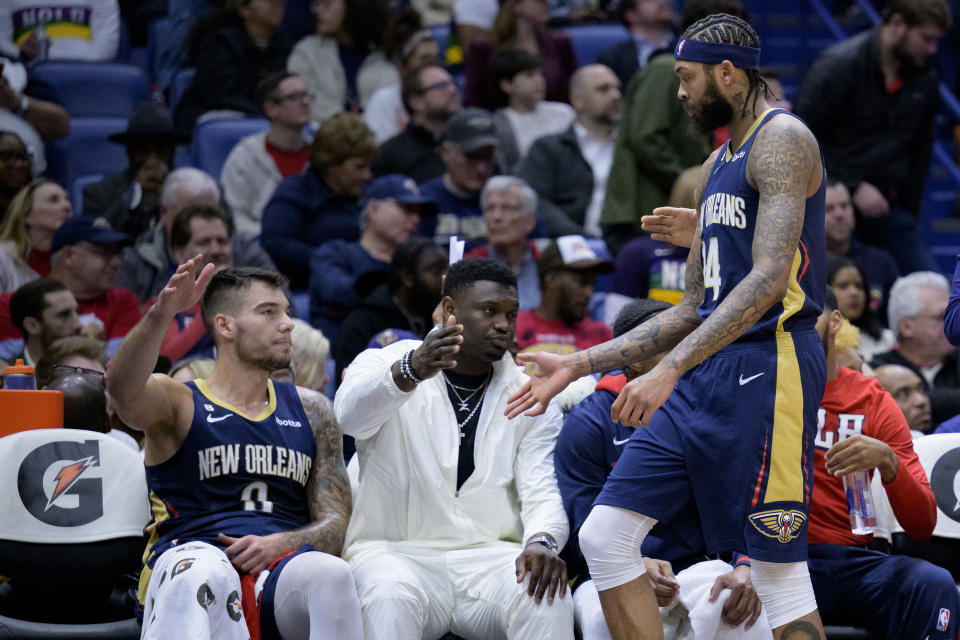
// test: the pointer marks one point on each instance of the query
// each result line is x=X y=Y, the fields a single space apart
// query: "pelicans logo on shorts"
x=780 y=524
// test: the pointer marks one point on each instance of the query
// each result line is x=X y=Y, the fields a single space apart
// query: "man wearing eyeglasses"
x=431 y=98
x=259 y=162
x=916 y=308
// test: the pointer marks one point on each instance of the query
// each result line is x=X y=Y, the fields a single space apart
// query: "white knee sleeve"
x=784 y=589
x=610 y=540
x=315 y=593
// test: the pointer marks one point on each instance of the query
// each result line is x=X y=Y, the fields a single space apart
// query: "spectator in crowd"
x=879 y=145
x=916 y=310
x=907 y=390
x=404 y=299
x=72 y=354
x=170 y=54
x=879 y=267
x=232 y=51
x=470 y=506
x=129 y=200
x=28 y=109
x=42 y=310
x=520 y=24
x=468 y=150
x=408 y=45
x=656 y=141
x=430 y=97
x=38 y=31
x=27 y=231
x=861 y=429
x=474 y=20
x=561 y=324
x=588 y=447
x=259 y=162
x=510 y=215
x=191 y=368
x=527 y=115
x=650 y=23
x=15 y=169
x=149 y=263
x=323 y=203
x=198 y=229
x=390 y=216
x=342 y=63
x=850 y=285
x=310 y=352
x=84 y=402
x=569 y=171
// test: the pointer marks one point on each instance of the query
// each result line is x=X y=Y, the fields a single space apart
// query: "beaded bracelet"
x=406 y=368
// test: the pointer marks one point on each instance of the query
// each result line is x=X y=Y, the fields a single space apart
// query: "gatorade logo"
x=288 y=423
x=58 y=483
x=945 y=482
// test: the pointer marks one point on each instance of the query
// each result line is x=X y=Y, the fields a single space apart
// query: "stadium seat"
x=590 y=40
x=76 y=191
x=70 y=542
x=86 y=150
x=182 y=80
x=96 y=89
x=214 y=139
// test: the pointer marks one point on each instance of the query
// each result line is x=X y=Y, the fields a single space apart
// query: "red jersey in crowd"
x=855 y=404
x=536 y=334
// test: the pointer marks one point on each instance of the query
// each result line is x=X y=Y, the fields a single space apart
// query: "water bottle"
x=863 y=515
x=20 y=377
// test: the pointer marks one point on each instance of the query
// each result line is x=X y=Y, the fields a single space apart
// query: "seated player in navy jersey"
x=246 y=474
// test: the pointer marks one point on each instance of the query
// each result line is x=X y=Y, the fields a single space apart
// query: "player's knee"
x=610 y=541
x=784 y=589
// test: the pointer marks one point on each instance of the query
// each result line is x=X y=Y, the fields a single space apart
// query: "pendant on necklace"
x=463 y=406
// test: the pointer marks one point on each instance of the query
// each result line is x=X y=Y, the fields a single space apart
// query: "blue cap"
x=401 y=188
x=86 y=229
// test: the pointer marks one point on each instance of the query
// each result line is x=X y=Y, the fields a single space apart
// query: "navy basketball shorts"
x=735 y=442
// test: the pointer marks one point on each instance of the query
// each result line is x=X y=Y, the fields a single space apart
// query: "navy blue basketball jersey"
x=728 y=218
x=233 y=474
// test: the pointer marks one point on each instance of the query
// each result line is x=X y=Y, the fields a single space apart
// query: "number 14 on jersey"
x=711 y=267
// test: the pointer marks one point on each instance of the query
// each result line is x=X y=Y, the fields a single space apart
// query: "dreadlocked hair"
x=723 y=28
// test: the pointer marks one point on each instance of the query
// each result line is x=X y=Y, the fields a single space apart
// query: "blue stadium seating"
x=213 y=140
x=86 y=150
x=95 y=89
x=76 y=191
x=590 y=40
x=182 y=80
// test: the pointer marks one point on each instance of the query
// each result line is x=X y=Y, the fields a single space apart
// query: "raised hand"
x=184 y=288
x=675 y=225
x=550 y=377
x=438 y=349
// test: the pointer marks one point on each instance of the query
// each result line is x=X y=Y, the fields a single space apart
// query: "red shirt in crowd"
x=536 y=334
x=855 y=404
x=289 y=163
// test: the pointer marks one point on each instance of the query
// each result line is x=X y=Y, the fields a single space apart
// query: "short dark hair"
x=63 y=348
x=29 y=301
x=406 y=255
x=221 y=292
x=508 y=63
x=464 y=273
x=410 y=82
x=84 y=402
x=180 y=229
x=918 y=12
x=830 y=300
x=267 y=88
x=636 y=313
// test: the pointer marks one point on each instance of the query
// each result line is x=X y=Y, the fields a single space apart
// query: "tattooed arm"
x=328 y=493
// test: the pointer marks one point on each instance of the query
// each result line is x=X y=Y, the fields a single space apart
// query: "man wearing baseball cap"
x=468 y=155
x=85 y=256
x=568 y=271
x=392 y=211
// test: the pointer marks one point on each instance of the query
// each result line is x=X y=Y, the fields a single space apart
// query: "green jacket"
x=656 y=142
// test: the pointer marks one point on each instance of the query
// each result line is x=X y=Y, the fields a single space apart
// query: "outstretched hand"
x=438 y=349
x=675 y=225
x=184 y=288
x=550 y=377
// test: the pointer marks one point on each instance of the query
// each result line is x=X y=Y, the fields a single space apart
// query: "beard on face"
x=906 y=61
x=713 y=111
x=571 y=315
x=269 y=362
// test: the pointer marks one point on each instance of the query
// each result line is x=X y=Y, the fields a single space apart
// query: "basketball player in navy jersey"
x=730 y=412
x=243 y=472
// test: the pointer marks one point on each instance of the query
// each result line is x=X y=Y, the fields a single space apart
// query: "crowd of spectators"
x=382 y=143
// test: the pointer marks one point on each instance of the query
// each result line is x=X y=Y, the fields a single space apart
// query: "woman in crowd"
x=342 y=64
x=520 y=24
x=33 y=216
x=15 y=172
x=848 y=282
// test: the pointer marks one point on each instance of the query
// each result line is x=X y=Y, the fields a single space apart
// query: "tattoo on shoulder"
x=800 y=630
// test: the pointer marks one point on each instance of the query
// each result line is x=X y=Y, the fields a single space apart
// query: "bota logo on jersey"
x=287 y=423
x=59 y=484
